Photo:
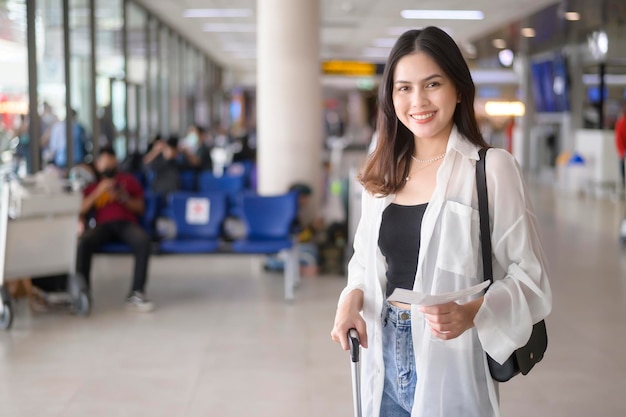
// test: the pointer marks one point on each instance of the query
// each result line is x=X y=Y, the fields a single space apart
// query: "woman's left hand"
x=448 y=321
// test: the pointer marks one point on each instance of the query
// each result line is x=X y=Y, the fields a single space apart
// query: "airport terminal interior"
x=239 y=128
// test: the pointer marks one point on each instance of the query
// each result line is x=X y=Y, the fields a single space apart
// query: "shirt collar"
x=462 y=145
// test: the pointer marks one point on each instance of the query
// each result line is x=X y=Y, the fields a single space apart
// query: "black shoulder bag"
x=524 y=358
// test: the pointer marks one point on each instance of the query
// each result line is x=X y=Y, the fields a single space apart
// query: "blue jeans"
x=399 y=359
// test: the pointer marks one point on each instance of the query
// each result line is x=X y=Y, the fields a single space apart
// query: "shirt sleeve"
x=522 y=296
x=89 y=189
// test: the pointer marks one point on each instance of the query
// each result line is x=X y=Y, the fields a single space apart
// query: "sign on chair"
x=197 y=211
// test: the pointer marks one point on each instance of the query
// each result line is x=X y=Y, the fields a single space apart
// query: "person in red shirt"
x=620 y=144
x=115 y=200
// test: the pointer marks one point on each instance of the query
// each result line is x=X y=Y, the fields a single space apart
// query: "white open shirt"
x=453 y=378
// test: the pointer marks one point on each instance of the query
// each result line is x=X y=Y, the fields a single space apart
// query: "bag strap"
x=483 y=211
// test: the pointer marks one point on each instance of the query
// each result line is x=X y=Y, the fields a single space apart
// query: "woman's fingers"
x=340 y=332
x=362 y=330
x=447 y=321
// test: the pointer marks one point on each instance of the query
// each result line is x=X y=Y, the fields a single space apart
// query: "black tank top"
x=399 y=242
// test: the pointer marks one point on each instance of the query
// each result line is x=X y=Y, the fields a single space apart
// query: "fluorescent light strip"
x=443 y=14
x=572 y=16
x=528 y=32
x=609 y=79
x=505 y=108
x=217 y=13
x=229 y=27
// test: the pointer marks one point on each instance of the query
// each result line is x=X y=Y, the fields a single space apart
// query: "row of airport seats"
x=237 y=178
x=197 y=180
x=199 y=218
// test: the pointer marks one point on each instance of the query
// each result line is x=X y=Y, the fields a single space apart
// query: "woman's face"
x=424 y=97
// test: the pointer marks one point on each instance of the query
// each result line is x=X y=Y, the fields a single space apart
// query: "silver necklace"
x=425 y=161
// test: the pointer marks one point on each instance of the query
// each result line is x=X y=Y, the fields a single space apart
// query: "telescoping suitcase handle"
x=355 y=345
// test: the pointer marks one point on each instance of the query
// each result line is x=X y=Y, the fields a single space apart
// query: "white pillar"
x=527 y=121
x=289 y=115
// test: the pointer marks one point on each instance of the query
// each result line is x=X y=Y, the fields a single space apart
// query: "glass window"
x=153 y=79
x=164 y=71
x=110 y=88
x=201 y=111
x=109 y=25
x=137 y=66
x=80 y=69
x=51 y=78
x=174 y=81
x=136 y=39
x=14 y=137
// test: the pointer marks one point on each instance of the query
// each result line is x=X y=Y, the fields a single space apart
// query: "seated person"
x=166 y=161
x=115 y=200
x=310 y=235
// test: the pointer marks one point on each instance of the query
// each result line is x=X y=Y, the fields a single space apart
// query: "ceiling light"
x=505 y=108
x=603 y=42
x=506 y=57
x=572 y=16
x=229 y=27
x=443 y=14
x=499 y=43
x=217 y=13
x=528 y=32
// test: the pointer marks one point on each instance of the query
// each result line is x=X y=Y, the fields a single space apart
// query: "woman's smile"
x=423 y=117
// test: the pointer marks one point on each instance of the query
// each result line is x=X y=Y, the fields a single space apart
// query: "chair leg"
x=296 y=265
x=290 y=275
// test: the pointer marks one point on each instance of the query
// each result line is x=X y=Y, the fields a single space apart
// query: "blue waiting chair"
x=269 y=224
x=198 y=218
x=232 y=185
x=188 y=180
x=243 y=168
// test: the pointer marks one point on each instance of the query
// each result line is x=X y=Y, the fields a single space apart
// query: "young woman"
x=419 y=230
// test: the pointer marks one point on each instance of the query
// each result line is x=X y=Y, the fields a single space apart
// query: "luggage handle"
x=355 y=344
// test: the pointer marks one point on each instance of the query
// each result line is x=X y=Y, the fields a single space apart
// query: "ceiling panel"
x=348 y=26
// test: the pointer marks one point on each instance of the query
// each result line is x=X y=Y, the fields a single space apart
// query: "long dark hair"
x=388 y=166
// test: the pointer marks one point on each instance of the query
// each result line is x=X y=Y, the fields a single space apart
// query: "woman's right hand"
x=348 y=317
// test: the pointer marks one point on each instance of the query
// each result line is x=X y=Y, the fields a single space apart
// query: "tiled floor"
x=223 y=343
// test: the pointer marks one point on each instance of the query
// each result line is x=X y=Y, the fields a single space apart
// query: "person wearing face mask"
x=191 y=142
x=167 y=160
x=114 y=201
